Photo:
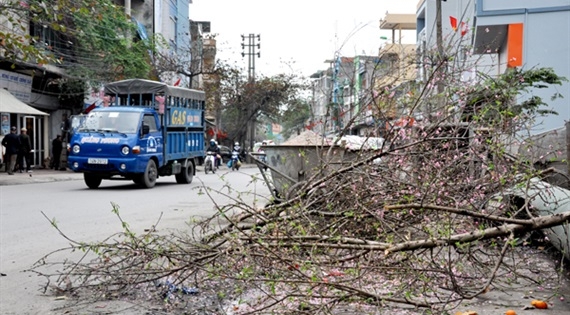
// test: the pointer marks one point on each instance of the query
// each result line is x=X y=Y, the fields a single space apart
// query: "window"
x=150 y=122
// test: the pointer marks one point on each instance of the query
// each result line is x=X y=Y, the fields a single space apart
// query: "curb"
x=49 y=175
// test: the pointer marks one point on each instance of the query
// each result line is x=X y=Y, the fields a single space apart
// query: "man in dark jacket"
x=213 y=147
x=56 y=147
x=24 y=151
x=12 y=143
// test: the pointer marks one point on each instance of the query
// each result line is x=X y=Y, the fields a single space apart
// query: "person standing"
x=12 y=143
x=24 y=151
x=56 y=147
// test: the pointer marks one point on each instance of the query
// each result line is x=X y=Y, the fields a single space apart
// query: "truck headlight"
x=125 y=150
x=76 y=148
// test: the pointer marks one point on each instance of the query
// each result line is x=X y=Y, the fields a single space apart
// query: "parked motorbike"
x=210 y=162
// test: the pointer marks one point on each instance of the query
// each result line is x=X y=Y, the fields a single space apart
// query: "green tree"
x=246 y=101
x=494 y=102
x=90 y=40
x=294 y=117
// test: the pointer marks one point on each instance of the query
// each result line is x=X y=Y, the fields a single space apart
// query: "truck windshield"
x=122 y=122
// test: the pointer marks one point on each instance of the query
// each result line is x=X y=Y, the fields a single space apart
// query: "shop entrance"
x=35 y=131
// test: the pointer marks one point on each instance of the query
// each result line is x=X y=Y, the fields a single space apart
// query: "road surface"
x=85 y=215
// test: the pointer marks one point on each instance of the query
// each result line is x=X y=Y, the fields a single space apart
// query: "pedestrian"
x=65 y=127
x=12 y=143
x=24 y=151
x=56 y=147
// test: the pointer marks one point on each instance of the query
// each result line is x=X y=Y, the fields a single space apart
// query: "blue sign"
x=184 y=117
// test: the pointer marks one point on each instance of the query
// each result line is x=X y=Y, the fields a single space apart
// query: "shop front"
x=14 y=112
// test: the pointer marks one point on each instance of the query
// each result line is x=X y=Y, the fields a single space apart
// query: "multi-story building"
x=340 y=94
x=502 y=35
x=169 y=19
x=204 y=77
x=27 y=96
x=34 y=87
x=494 y=36
x=321 y=89
x=345 y=95
x=528 y=34
x=394 y=76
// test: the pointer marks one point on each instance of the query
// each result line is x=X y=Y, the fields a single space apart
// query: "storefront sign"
x=19 y=85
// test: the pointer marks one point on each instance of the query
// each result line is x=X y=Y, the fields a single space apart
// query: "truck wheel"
x=185 y=177
x=150 y=175
x=92 y=181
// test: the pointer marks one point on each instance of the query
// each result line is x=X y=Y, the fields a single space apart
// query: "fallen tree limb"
x=320 y=241
x=461 y=212
x=537 y=223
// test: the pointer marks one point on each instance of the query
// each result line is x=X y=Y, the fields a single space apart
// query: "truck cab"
x=118 y=143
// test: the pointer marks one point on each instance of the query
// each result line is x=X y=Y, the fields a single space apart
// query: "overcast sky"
x=297 y=36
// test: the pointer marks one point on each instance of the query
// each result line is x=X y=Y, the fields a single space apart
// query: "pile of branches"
x=409 y=233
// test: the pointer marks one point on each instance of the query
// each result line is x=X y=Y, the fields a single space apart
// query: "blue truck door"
x=152 y=143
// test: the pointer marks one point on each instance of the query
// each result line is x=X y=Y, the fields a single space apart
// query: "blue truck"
x=146 y=130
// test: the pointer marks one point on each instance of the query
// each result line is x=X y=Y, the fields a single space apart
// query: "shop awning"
x=10 y=104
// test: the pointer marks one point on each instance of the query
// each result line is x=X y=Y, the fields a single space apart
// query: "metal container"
x=291 y=165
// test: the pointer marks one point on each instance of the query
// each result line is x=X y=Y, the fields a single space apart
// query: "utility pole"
x=440 y=57
x=251 y=38
x=249 y=42
x=439 y=36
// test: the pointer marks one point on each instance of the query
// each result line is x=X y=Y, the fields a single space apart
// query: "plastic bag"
x=230 y=164
x=238 y=163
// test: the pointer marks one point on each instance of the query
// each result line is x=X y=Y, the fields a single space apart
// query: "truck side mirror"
x=145 y=129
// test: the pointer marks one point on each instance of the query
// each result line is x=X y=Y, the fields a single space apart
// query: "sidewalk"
x=38 y=175
x=44 y=175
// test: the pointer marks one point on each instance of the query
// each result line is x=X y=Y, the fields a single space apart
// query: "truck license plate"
x=97 y=161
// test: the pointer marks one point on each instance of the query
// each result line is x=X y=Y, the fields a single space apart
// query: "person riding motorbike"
x=236 y=156
x=237 y=148
x=213 y=147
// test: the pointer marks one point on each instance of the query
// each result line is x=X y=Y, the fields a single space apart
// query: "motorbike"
x=235 y=162
x=210 y=162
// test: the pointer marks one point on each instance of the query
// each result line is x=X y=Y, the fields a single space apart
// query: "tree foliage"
x=294 y=118
x=497 y=100
x=89 y=40
x=265 y=99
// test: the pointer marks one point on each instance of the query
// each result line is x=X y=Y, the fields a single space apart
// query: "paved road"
x=85 y=215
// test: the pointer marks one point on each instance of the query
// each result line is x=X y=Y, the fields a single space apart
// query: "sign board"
x=19 y=85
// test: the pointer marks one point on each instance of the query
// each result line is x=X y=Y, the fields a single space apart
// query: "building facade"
x=529 y=34
x=36 y=85
x=493 y=36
